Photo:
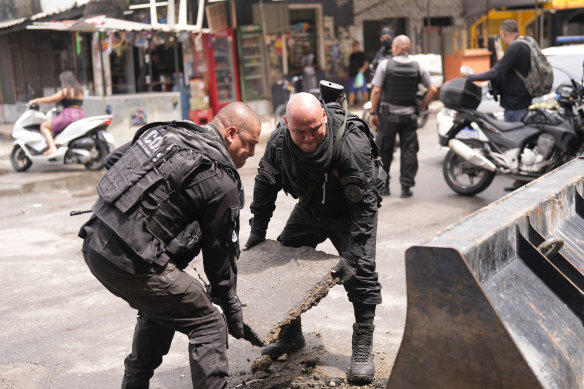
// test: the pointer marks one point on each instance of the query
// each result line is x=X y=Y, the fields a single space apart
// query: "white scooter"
x=85 y=141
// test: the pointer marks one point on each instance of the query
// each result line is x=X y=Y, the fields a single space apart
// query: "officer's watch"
x=373 y=113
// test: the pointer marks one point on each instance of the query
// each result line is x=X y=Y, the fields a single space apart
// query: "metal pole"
x=170 y=15
x=541 y=19
x=536 y=22
x=486 y=39
x=101 y=60
x=428 y=26
x=263 y=15
x=176 y=72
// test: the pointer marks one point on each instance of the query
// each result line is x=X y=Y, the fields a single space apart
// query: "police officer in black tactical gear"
x=384 y=52
x=394 y=109
x=326 y=159
x=170 y=193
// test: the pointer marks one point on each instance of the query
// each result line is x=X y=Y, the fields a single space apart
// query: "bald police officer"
x=394 y=110
x=326 y=158
x=172 y=192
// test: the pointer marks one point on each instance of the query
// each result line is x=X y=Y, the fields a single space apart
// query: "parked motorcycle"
x=482 y=146
x=85 y=141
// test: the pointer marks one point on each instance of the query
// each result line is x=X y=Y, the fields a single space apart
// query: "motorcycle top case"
x=460 y=93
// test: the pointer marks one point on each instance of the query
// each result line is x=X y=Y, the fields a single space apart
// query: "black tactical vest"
x=401 y=83
x=140 y=196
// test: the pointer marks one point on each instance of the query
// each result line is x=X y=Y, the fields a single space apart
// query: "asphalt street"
x=59 y=328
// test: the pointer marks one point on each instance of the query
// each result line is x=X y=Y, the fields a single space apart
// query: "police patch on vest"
x=353 y=193
x=349 y=180
x=268 y=171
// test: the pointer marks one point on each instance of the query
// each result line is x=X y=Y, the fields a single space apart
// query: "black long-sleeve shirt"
x=351 y=166
x=514 y=95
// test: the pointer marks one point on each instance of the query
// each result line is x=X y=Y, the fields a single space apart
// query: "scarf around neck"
x=302 y=171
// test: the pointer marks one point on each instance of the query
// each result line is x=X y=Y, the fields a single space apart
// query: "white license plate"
x=108 y=137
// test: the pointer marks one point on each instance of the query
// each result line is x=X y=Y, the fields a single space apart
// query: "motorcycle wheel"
x=463 y=177
x=19 y=160
x=102 y=150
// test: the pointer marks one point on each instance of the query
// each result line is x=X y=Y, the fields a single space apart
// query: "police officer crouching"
x=327 y=159
x=167 y=195
x=394 y=110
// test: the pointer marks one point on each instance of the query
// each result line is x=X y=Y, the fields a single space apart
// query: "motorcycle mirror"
x=466 y=71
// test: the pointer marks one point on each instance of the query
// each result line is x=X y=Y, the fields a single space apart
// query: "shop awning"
x=476 y=7
x=42 y=15
x=97 y=23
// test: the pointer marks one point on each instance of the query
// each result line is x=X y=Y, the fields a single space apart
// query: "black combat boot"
x=288 y=341
x=386 y=191
x=406 y=192
x=362 y=368
x=126 y=385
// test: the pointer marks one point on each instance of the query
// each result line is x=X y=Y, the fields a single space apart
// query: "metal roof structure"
x=96 y=23
x=42 y=15
x=102 y=22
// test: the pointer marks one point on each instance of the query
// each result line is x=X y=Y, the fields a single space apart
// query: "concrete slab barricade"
x=497 y=300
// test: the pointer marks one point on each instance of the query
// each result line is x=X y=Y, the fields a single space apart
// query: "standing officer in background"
x=394 y=110
x=171 y=192
x=327 y=159
x=384 y=52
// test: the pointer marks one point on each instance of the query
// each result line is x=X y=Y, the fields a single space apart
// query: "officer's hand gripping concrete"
x=345 y=271
x=234 y=315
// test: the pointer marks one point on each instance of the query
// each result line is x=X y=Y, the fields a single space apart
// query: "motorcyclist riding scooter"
x=85 y=141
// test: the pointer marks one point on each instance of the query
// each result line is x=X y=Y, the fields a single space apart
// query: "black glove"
x=253 y=240
x=232 y=310
x=344 y=271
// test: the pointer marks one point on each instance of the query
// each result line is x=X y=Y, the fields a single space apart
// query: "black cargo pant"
x=304 y=228
x=406 y=126
x=168 y=300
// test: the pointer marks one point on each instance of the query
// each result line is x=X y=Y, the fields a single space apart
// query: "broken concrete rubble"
x=278 y=283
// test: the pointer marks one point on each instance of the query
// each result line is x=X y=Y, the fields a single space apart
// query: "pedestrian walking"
x=358 y=64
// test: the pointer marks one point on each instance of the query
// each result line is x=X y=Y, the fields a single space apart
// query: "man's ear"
x=230 y=133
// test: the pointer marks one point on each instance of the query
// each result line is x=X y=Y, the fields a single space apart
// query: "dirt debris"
x=263 y=363
x=298 y=370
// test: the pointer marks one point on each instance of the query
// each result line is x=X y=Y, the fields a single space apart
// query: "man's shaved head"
x=306 y=121
x=302 y=104
x=401 y=45
x=240 y=127
x=236 y=114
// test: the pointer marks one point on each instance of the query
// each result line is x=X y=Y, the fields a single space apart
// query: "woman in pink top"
x=71 y=97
